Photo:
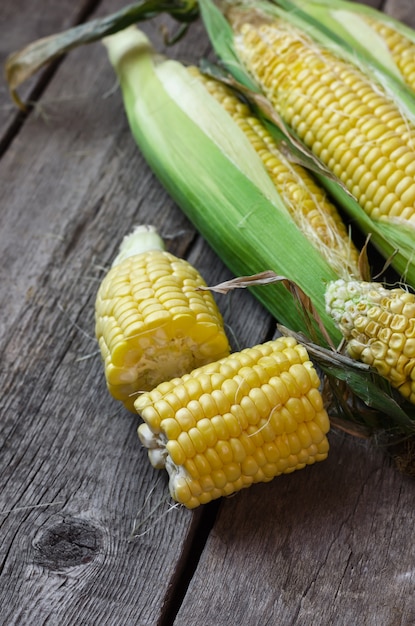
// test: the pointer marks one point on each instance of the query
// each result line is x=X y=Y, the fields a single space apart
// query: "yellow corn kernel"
x=379 y=326
x=219 y=451
x=152 y=322
x=350 y=123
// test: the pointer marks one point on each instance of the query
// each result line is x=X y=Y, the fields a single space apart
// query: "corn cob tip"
x=345 y=299
x=142 y=239
x=379 y=327
x=244 y=419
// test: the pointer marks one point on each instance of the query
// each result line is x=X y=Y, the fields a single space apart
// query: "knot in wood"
x=68 y=543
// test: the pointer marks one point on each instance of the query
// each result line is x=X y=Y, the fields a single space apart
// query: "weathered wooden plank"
x=328 y=545
x=73 y=183
x=401 y=10
x=279 y=553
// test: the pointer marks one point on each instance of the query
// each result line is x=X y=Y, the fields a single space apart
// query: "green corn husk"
x=395 y=241
x=183 y=131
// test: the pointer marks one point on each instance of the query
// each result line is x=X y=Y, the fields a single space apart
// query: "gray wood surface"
x=331 y=544
x=21 y=22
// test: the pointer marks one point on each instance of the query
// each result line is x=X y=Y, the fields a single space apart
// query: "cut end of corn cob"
x=244 y=419
x=379 y=326
x=152 y=322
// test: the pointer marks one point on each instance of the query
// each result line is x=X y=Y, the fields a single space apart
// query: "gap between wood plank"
x=199 y=532
x=45 y=76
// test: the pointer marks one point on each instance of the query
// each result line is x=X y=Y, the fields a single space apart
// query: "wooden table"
x=330 y=545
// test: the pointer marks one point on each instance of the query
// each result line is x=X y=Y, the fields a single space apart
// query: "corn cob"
x=305 y=200
x=354 y=128
x=241 y=420
x=152 y=323
x=379 y=327
x=356 y=115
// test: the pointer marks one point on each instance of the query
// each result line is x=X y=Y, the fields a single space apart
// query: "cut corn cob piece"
x=152 y=322
x=306 y=201
x=379 y=327
x=241 y=420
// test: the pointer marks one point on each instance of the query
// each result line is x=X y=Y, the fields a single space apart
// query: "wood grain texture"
x=21 y=22
x=329 y=545
x=74 y=477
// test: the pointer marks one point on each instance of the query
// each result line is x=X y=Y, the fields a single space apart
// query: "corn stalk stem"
x=23 y=63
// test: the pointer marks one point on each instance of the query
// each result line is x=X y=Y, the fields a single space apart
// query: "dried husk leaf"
x=22 y=64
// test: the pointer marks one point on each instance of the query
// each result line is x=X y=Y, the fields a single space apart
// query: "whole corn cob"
x=347 y=119
x=241 y=420
x=152 y=322
x=379 y=327
x=335 y=109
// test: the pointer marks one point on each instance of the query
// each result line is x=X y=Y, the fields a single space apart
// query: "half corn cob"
x=346 y=119
x=152 y=321
x=379 y=327
x=244 y=419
